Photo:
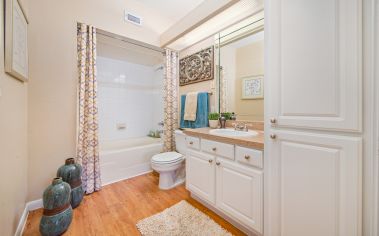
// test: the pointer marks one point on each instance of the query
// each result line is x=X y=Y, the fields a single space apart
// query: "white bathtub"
x=124 y=159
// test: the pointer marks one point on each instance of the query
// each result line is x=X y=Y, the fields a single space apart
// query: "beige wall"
x=204 y=86
x=13 y=144
x=249 y=62
x=52 y=89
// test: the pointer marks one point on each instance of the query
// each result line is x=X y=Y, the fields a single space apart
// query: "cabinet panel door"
x=314 y=61
x=240 y=193
x=314 y=185
x=201 y=172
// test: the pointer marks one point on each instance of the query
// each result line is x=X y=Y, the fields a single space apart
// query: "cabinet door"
x=200 y=171
x=240 y=193
x=314 y=185
x=313 y=63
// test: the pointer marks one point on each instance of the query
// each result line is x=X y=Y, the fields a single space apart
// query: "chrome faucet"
x=241 y=127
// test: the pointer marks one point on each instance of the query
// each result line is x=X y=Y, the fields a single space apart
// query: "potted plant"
x=213 y=119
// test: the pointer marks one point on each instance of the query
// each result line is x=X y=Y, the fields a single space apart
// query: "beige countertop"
x=256 y=142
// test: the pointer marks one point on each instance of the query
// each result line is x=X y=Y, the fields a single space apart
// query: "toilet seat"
x=167 y=158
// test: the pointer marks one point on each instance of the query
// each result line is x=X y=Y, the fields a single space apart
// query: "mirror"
x=239 y=59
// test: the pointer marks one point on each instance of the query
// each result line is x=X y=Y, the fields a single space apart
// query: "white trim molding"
x=29 y=206
x=371 y=117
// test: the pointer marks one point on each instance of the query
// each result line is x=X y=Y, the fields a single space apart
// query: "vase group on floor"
x=59 y=198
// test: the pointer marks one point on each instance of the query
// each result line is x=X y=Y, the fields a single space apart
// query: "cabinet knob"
x=247 y=157
x=273 y=120
x=210 y=160
x=214 y=149
x=273 y=136
x=191 y=142
x=218 y=163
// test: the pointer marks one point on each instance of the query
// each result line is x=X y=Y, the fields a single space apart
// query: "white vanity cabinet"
x=231 y=181
x=201 y=175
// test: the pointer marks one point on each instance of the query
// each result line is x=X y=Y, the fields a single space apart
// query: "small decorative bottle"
x=57 y=212
x=71 y=173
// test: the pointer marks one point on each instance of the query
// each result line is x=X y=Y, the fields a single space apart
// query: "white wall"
x=52 y=90
x=129 y=94
x=13 y=144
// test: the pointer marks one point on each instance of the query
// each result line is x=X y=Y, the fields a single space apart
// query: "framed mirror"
x=239 y=66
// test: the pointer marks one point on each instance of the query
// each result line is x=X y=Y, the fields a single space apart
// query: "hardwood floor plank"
x=117 y=208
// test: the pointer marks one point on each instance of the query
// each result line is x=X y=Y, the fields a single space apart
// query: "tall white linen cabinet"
x=313 y=102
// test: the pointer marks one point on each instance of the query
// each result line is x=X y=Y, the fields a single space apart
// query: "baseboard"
x=29 y=206
x=22 y=222
x=34 y=205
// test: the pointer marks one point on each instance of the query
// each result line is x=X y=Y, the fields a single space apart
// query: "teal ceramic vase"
x=57 y=212
x=71 y=173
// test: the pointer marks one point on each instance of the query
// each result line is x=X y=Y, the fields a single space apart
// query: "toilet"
x=170 y=165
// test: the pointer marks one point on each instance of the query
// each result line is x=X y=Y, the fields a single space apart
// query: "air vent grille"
x=132 y=18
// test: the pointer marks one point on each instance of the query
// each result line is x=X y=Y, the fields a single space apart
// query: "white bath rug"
x=181 y=219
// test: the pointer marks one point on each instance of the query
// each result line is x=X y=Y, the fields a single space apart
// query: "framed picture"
x=16 y=41
x=252 y=87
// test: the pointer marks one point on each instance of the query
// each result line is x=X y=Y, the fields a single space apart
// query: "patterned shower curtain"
x=87 y=144
x=170 y=99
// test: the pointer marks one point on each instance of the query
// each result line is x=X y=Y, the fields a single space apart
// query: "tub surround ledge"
x=256 y=142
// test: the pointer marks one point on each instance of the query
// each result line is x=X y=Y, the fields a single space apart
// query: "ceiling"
x=171 y=11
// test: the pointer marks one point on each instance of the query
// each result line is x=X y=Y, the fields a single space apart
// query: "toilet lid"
x=167 y=157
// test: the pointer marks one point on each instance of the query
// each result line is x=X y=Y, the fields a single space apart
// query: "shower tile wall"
x=128 y=94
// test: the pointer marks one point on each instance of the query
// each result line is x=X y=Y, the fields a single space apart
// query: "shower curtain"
x=87 y=143
x=170 y=99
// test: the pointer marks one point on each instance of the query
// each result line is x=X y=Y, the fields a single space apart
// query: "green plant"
x=227 y=115
x=213 y=116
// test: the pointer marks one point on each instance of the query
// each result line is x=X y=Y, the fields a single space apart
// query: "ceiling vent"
x=132 y=18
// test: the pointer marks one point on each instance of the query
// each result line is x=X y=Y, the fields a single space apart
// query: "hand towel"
x=201 y=114
x=191 y=106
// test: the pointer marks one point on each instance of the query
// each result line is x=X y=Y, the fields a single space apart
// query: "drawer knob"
x=214 y=149
x=218 y=163
x=210 y=160
x=273 y=120
x=247 y=157
x=273 y=136
x=191 y=142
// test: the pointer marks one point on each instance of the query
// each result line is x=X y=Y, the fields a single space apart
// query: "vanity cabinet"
x=239 y=192
x=201 y=175
x=228 y=178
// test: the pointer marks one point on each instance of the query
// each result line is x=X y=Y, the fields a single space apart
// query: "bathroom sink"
x=233 y=133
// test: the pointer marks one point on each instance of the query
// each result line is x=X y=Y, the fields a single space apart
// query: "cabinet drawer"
x=249 y=156
x=193 y=142
x=219 y=149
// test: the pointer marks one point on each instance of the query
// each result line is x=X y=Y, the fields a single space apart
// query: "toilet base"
x=167 y=180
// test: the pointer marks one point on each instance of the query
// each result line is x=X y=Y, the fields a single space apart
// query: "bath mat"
x=181 y=219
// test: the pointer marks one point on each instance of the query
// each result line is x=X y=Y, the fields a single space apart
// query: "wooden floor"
x=117 y=208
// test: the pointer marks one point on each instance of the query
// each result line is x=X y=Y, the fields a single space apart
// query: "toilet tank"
x=180 y=141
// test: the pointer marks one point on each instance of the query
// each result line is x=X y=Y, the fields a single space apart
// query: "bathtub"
x=123 y=159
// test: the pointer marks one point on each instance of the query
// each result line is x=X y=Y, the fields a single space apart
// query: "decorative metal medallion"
x=196 y=67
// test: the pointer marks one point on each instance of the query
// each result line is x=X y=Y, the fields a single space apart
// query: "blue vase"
x=57 y=212
x=71 y=173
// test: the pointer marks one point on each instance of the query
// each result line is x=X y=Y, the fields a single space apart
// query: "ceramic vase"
x=57 y=212
x=213 y=124
x=71 y=173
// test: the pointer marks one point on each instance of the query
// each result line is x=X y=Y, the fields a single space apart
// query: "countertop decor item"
x=71 y=173
x=57 y=211
x=213 y=120
x=197 y=67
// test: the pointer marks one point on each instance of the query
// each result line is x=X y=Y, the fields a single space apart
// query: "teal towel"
x=201 y=113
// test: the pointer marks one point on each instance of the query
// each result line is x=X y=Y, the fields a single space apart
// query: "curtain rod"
x=118 y=38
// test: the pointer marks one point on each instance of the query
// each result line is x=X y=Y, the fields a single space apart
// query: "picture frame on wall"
x=16 y=41
x=253 y=87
